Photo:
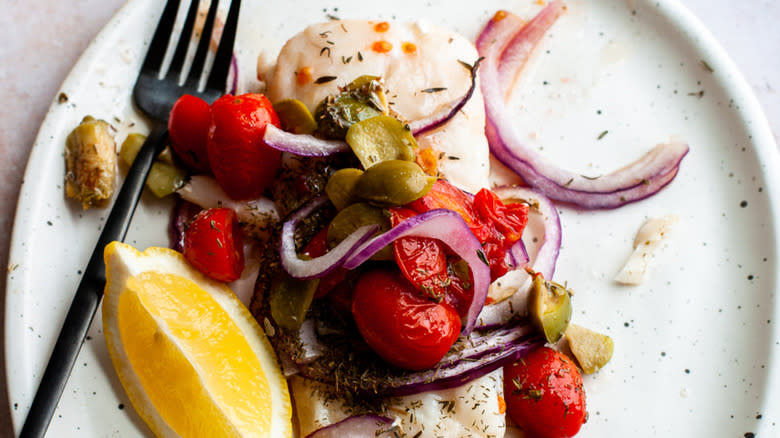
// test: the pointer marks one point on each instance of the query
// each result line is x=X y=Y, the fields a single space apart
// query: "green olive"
x=393 y=182
x=592 y=349
x=341 y=187
x=290 y=299
x=130 y=147
x=381 y=138
x=550 y=308
x=164 y=178
x=355 y=216
x=295 y=117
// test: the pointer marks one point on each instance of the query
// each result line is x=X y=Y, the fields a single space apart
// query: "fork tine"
x=177 y=63
x=218 y=76
x=203 y=46
x=159 y=44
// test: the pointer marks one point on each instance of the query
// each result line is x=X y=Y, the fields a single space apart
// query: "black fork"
x=155 y=97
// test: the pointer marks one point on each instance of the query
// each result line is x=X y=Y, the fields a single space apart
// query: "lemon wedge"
x=192 y=359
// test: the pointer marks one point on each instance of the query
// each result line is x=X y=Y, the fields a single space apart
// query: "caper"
x=290 y=299
x=381 y=138
x=550 y=307
x=362 y=99
x=393 y=182
x=295 y=117
x=341 y=186
x=355 y=216
x=592 y=349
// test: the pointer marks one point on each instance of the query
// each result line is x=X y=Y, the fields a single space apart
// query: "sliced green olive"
x=130 y=147
x=381 y=138
x=295 y=117
x=90 y=163
x=550 y=308
x=369 y=88
x=341 y=187
x=355 y=216
x=592 y=349
x=393 y=182
x=164 y=179
x=290 y=299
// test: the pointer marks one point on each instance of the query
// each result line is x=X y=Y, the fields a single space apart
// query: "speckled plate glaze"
x=696 y=345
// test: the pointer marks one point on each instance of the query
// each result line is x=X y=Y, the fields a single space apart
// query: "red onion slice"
x=498 y=42
x=318 y=266
x=448 y=111
x=501 y=313
x=450 y=228
x=183 y=212
x=518 y=255
x=357 y=426
x=302 y=144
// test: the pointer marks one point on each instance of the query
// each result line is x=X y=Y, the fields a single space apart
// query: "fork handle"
x=90 y=291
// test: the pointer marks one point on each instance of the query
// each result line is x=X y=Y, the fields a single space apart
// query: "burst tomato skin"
x=242 y=163
x=213 y=244
x=544 y=394
x=188 y=129
x=403 y=328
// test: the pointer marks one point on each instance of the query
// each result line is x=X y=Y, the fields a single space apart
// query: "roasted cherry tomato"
x=544 y=394
x=445 y=195
x=510 y=220
x=242 y=163
x=431 y=267
x=188 y=129
x=403 y=328
x=316 y=247
x=213 y=244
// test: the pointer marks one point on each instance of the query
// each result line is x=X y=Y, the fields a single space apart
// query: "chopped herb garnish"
x=453 y=157
x=330 y=42
x=360 y=57
x=434 y=89
x=324 y=34
x=707 y=66
x=466 y=64
x=568 y=182
x=325 y=49
x=324 y=79
x=699 y=93
x=482 y=257
x=603 y=133
x=346 y=60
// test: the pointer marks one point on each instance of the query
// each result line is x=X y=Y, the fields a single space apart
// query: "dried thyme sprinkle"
x=360 y=57
x=482 y=257
x=707 y=66
x=324 y=34
x=324 y=79
x=345 y=60
x=434 y=89
x=466 y=64
x=325 y=49
x=605 y=132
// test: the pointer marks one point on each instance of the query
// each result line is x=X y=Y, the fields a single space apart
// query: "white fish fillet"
x=331 y=49
x=468 y=411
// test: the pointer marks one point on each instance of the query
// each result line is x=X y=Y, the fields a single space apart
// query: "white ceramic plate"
x=696 y=345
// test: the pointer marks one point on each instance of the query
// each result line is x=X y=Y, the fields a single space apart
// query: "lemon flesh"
x=191 y=357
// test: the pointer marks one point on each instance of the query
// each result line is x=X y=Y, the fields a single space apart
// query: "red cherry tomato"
x=188 y=129
x=403 y=328
x=544 y=394
x=242 y=163
x=316 y=247
x=213 y=244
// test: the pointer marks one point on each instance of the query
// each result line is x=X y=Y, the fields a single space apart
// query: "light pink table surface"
x=42 y=39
